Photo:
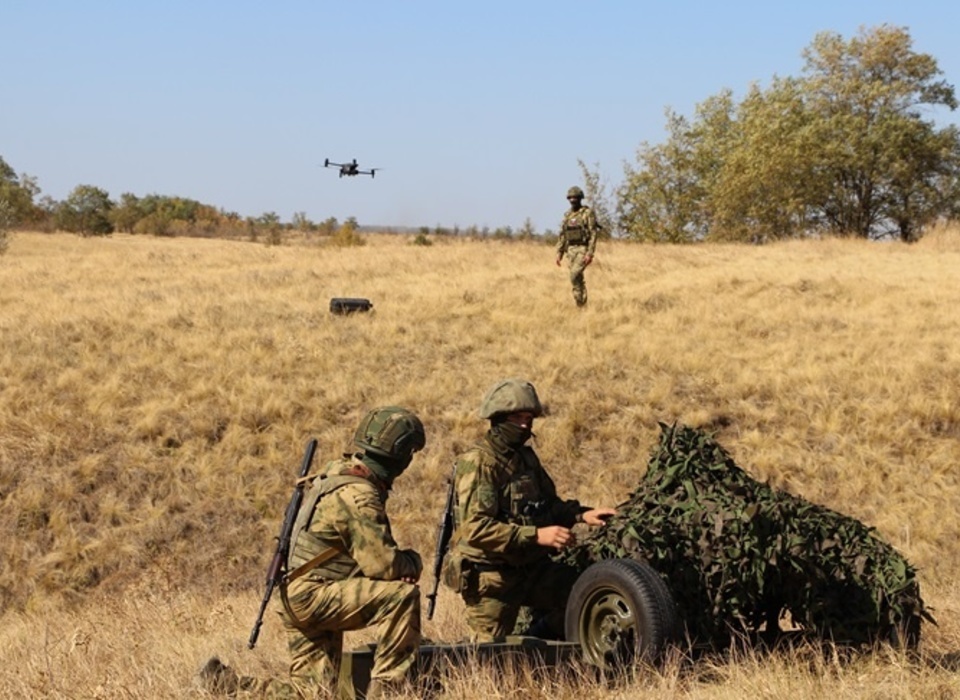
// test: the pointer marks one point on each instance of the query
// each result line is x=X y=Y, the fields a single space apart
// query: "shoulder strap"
x=321 y=487
x=327 y=485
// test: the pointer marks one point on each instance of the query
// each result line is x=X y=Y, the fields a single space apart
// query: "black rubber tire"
x=621 y=613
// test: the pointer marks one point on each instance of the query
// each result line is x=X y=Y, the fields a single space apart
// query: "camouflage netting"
x=737 y=554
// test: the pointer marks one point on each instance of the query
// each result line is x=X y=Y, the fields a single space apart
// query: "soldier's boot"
x=218 y=678
x=380 y=689
x=580 y=296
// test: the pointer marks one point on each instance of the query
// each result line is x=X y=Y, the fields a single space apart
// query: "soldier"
x=346 y=570
x=508 y=520
x=369 y=580
x=578 y=241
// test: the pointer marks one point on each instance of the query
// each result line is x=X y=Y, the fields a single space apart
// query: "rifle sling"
x=308 y=566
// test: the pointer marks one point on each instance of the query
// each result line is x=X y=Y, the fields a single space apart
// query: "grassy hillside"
x=156 y=396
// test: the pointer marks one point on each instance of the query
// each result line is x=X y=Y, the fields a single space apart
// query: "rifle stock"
x=279 y=561
x=444 y=533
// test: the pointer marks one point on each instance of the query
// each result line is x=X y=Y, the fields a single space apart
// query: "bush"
x=347 y=236
x=421 y=239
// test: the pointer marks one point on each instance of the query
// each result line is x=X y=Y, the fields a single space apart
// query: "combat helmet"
x=510 y=396
x=390 y=435
x=574 y=192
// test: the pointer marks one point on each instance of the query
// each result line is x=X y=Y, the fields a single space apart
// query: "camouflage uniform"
x=503 y=495
x=578 y=241
x=358 y=587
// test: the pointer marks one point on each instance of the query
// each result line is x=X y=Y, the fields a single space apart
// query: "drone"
x=350 y=168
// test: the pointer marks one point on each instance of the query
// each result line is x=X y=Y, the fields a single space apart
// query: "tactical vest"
x=306 y=545
x=574 y=229
x=526 y=504
x=521 y=503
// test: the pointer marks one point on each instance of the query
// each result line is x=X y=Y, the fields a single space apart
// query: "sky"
x=478 y=113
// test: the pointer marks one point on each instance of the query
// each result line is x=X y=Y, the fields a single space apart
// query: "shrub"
x=421 y=239
x=347 y=236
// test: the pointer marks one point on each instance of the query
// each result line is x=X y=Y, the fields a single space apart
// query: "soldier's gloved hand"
x=558 y=261
x=597 y=516
x=587 y=259
x=413 y=565
x=555 y=536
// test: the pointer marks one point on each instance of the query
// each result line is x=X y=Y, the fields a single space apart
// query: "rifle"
x=444 y=533
x=279 y=563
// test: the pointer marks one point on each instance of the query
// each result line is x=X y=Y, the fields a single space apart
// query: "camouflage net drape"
x=736 y=553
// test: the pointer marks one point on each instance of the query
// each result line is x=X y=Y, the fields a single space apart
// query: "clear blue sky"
x=476 y=111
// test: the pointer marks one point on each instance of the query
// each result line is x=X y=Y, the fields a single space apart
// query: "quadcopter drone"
x=350 y=169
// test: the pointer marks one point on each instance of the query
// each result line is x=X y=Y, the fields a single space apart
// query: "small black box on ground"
x=341 y=305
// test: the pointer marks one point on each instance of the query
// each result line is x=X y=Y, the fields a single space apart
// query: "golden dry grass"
x=156 y=395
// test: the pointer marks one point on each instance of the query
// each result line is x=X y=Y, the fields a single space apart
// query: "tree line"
x=846 y=149
x=89 y=211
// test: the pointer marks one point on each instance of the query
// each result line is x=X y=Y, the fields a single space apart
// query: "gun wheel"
x=621 y=613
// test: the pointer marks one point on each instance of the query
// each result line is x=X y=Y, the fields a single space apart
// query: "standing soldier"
x=508 y=520
x=346 y=572
x=578 y=241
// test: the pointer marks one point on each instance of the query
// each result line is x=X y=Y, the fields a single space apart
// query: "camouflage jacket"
x=502 y=496
x=347 y=513
x=578 y=228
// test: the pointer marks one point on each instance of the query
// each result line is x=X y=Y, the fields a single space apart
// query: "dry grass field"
x=156 y=395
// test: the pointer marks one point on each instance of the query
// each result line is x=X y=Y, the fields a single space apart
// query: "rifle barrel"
x=279 y=561
x=444 y=533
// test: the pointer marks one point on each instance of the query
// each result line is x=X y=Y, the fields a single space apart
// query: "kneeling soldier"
x=509 y=520
x=362 y=577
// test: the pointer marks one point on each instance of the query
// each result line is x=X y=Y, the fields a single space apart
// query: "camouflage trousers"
x=327 y=610
x=575 y=260
x=494 y=598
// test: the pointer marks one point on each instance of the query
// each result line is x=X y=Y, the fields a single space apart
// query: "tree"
x=757 y=192
x=879 y=158
x=18 y=193
x=301 y=222
x=527 y=231
x=329 y=226
x=6 y=221
x=927 y=185
x=126 y=213
x=596 y=194
x=270 y=222
x=86 y=211
x=843 y=149
x=666 y=199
